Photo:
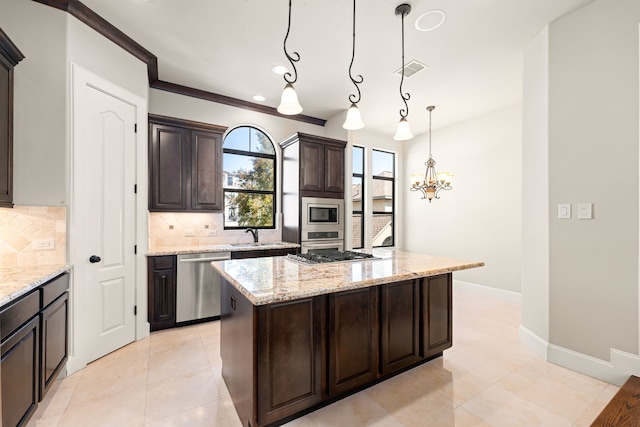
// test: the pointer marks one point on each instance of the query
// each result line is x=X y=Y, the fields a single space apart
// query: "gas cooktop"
x=330 y=256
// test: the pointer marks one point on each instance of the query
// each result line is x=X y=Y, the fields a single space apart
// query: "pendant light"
x=289 y=104
x=431 y=182
x=403 y=131
x=354 y=119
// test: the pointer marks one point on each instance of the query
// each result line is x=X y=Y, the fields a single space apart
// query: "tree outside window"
x=249 y=179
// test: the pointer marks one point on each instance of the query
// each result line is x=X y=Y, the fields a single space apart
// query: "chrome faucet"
x=253 y=231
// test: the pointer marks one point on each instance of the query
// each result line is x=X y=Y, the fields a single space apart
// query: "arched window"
x=249 y=165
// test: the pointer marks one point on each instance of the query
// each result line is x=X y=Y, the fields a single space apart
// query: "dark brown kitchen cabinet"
x=162 y=291
x=437 y=321
x=319 y=169
x=353 y=339
x=185 y=165
x=34 y=342
x=9 y=58
x=399 y=326
x=55 y=340
x=291 y=362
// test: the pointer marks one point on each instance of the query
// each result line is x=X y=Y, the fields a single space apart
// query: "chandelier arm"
x=293 y=57
x=353 y=98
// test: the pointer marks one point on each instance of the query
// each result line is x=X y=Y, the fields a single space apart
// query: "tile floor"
x=488 y=378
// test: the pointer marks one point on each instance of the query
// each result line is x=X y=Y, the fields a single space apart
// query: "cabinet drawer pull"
x=232 y=302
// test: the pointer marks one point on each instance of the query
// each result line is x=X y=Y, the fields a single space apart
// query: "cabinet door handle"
x=232 y=302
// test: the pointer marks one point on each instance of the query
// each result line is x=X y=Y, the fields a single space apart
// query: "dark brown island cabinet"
x=10 y=56
x=185 y=165
x=285 y=359
x=34 y=343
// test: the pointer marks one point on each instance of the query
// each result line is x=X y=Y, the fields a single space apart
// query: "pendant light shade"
x=403 y=132
x=289 y=104
x=354 y=119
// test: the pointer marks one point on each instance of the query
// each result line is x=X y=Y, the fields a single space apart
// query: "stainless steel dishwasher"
x=198 y=293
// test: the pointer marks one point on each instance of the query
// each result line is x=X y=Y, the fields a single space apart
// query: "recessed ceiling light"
x=280 y=69
x=430 y=20
x=259 y=98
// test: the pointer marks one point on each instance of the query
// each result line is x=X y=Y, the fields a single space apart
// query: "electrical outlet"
x=42 y=244
x=189 y=233
x=212 y=232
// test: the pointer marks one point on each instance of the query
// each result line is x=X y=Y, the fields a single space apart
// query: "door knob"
x=94 y=259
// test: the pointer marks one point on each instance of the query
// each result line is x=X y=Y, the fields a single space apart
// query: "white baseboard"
x=533 y=341
x=74 y=365
x=488 y=291
x=616 y=371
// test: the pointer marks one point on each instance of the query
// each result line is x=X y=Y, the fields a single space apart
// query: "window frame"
x=393 y=199
x=362 y=198
x=272 y=192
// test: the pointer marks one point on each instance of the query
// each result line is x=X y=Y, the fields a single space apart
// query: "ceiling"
x=229 y=47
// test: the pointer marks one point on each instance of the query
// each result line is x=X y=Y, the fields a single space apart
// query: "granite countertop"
x=17 y=281
x=268 y=280
x=196 y=249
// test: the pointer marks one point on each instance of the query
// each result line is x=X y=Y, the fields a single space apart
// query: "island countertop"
x=269 y=280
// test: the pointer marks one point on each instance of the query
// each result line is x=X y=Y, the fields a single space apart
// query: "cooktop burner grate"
x=330 y=256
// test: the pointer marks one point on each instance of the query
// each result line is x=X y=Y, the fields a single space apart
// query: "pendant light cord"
x=353 y=98
x=430 y=110
x=405 y=97
x=293 y=58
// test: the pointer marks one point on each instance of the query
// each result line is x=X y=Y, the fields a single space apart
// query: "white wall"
x=480 y=218
x=593 y=157
x=40 y=94
x=535 y=188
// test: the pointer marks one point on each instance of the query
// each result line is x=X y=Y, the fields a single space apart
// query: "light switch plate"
x=585 y=210
x=564 y=211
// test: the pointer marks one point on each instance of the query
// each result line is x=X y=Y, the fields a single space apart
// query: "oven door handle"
x=315 y=245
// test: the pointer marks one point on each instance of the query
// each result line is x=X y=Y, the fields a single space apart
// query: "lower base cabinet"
x=33 y=348
x=20 y=373
x=283 y=359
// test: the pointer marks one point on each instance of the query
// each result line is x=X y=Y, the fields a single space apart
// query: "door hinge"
x=135 y=128
x=135 y=310
x=135 y=249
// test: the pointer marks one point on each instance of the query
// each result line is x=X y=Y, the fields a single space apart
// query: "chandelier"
x=431 y=182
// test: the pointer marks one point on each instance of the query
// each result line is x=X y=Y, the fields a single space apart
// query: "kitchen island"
x=295 y=337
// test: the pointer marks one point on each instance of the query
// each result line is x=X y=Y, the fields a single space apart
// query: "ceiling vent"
x=411 y=68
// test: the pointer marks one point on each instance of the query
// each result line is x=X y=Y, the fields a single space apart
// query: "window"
x=357 y=191
x=382 y=192
x=249 y=164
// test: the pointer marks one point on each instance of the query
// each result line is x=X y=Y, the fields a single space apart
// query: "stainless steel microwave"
x=321 y=214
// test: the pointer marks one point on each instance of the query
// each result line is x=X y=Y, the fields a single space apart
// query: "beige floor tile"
x=499 y=408
x=169 y=340
x=179 y=394
x=165 y=365
x=598 y=404
x=108 y=378
x=209 y=332
x=459 y=418
x=356 y=410
x=213 y=354
x=210 y=415
x=121 y=409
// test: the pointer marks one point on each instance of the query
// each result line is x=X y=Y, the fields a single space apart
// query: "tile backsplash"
x=190 y=229
x=33 y=236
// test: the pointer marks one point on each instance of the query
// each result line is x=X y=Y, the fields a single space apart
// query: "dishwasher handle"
x=221 y=258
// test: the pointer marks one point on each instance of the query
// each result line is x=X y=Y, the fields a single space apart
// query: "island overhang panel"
x=296 y=337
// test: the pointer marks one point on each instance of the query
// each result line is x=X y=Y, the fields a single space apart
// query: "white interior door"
x=104 y=176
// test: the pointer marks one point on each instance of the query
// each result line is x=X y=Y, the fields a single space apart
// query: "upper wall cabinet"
x=320 y=166
x=9 y=58
x=185 y=165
